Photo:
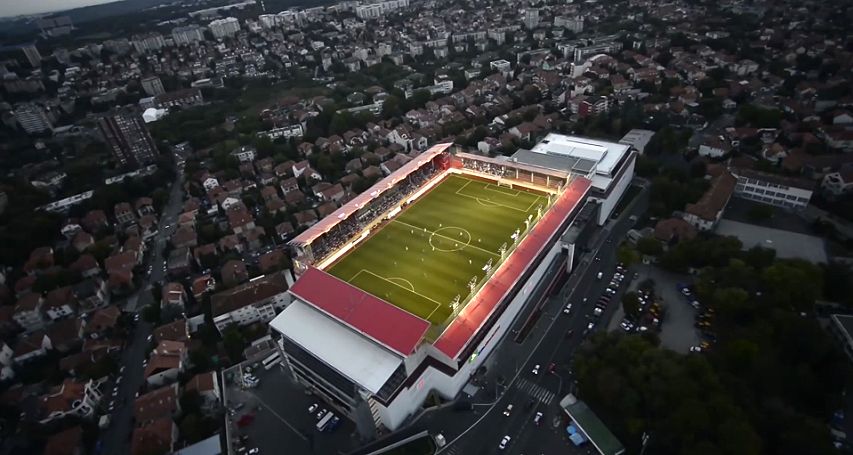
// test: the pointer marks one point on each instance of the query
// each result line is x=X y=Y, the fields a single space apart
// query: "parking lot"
x=278 y=417
x=677 y=330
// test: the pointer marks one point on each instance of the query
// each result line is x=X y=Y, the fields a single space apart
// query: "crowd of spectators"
x=344 y=231
x=484 y=167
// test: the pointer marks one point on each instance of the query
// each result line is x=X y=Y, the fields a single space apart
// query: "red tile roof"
x=159 y=403
x=67 y=442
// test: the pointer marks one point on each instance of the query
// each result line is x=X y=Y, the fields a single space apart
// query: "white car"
x=567 y=309
x=695 y=348
x=538 y=418
x=536 y=369
x=508 y=410
x=254 y=451
x=313 y=408
x=504 y=442
x=590 y=326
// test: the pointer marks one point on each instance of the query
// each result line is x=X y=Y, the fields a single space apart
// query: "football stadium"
x=429 y=258
x=407 y=288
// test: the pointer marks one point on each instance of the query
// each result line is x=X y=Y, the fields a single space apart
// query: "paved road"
x=116 y=439
x=554 y=339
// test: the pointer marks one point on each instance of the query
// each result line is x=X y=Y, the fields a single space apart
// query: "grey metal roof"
x=554 y=161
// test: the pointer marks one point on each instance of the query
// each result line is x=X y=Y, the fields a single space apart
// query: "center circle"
x=449 y=239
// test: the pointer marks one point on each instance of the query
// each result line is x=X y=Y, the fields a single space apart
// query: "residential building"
x=245 y=153
x=638 y=139
x=706 y=213
x=714 y=147
x=25 y=54
x=167 y=361
x=28 y=312
x=162 y=402
x=152 y=85
x=66 y=442
x=174 y=295
x=70 y=399
x=33 y=118
x=379 y=9
x=124 y=213
x=177 y=330
x=149 y=42
x=128 y=138
x=838 y=183
x=187 y=35
x=32 y=346
x=156 y=437
x=258 y=300
x=781 y=191
x=223 y=28
x=208 y=389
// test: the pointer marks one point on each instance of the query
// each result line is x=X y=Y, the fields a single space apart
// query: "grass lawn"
x=422 y=259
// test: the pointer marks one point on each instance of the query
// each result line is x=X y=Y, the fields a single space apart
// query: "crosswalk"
x=536 y=391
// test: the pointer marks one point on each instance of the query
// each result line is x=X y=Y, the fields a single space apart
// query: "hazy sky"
x=17 y=7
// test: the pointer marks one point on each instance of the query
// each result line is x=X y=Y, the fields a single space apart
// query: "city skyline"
x=13 y=9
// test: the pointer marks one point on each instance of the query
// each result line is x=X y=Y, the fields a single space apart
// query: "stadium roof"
x=359 y=201
x=606 y=154
x=387 y=324
x=503 y=161
x=471 y=318
x=351 y=354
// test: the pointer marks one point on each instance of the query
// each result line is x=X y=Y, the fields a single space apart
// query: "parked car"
x=504 y=442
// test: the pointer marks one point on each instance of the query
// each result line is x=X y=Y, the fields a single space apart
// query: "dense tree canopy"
x=768 y=386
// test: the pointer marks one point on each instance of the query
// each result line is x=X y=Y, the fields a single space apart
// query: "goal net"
x=504 y=183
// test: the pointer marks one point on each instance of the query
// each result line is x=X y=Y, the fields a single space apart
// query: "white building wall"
x=608 y=204
x=773 y=194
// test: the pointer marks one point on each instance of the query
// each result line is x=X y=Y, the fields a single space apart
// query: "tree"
x=627 y=255
x=234 y=343
x=631 y=305
x=151 y=313
x=191 y=402
x=649 y=246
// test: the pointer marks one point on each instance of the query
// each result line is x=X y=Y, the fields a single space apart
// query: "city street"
x=116 y=439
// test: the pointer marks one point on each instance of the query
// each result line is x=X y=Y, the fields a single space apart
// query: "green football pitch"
x=426 y=256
